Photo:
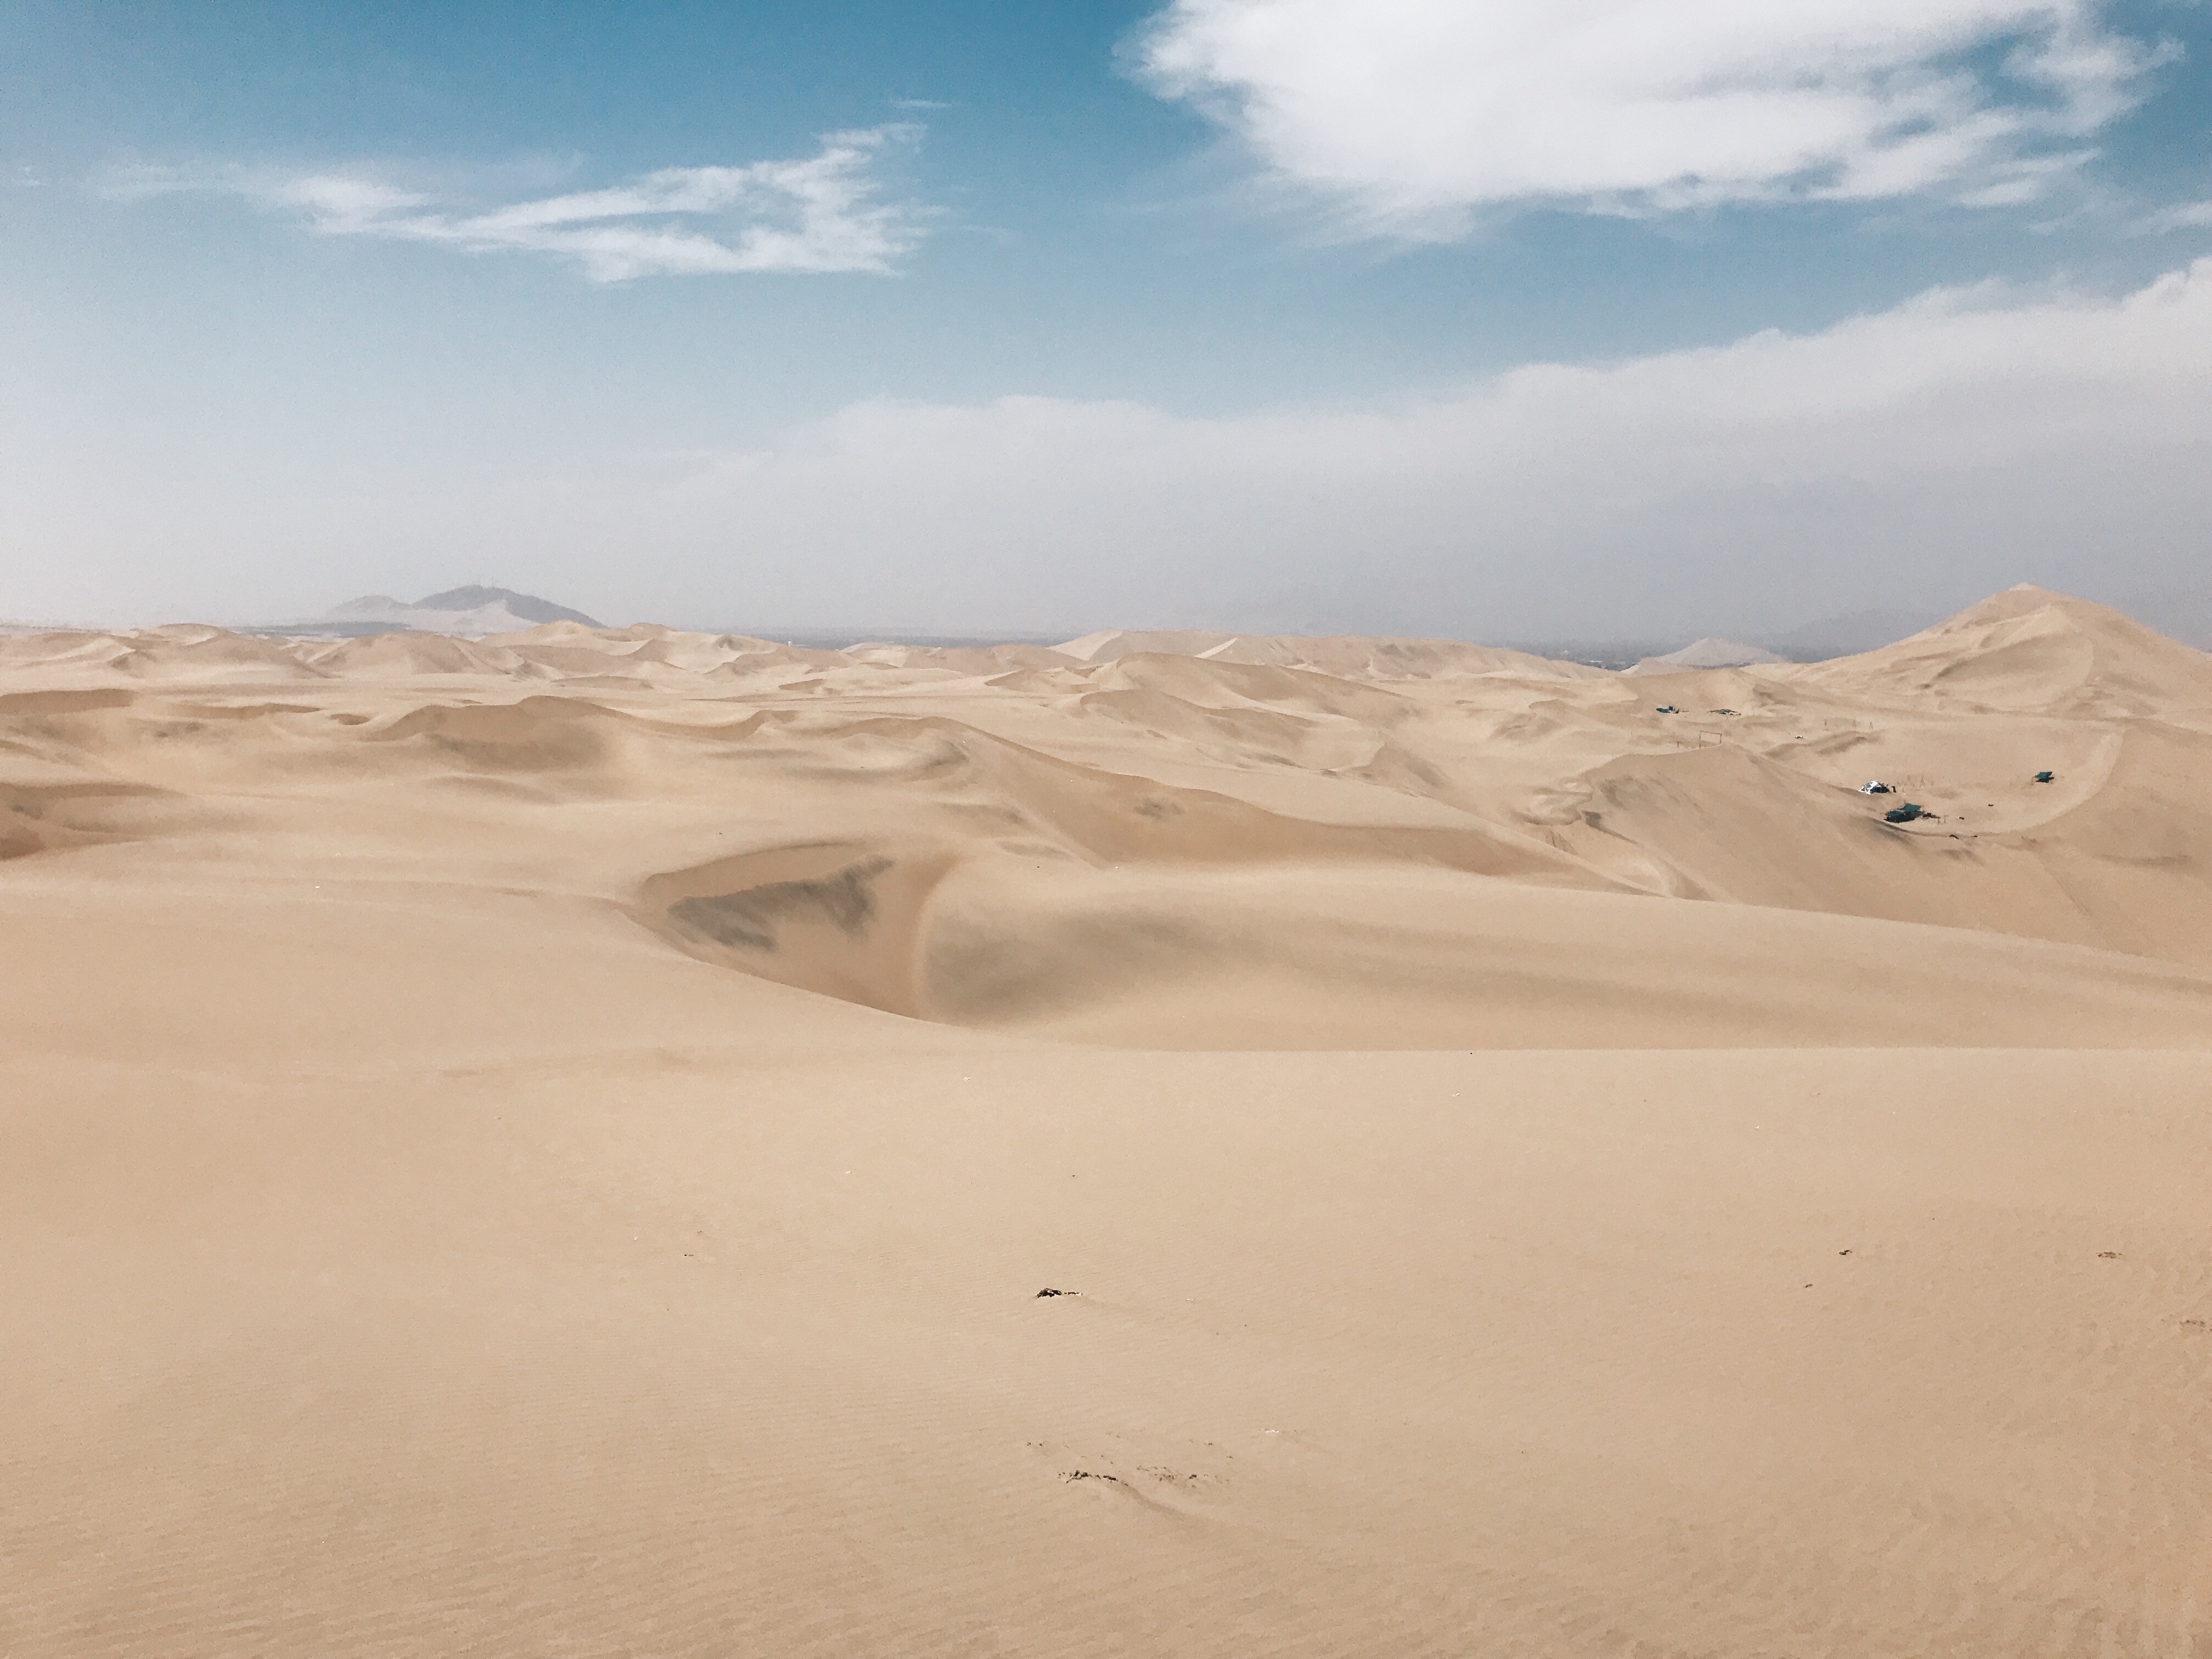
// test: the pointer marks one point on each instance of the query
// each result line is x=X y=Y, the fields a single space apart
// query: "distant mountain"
x=470 y=612
x=1707 y=654
x=528 y=606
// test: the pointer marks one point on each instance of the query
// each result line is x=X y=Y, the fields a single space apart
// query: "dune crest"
x=1066 y=795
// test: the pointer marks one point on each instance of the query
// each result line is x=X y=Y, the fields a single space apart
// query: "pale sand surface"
x=1542 y=1176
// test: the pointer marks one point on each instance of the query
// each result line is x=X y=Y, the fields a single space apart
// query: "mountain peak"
x=471 y=612
x=528 y=606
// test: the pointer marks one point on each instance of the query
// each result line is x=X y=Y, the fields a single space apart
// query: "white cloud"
x=2189 y=216
x=818 y=213
x=1955 y=444
x=1927 y=454
x=1412 y=114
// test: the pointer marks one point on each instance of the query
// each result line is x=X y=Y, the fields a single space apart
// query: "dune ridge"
x=1423 y=763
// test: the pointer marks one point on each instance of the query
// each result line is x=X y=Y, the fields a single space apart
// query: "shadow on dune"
x=1288 y=954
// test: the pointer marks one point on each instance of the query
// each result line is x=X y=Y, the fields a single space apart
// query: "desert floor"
x=552 y=1146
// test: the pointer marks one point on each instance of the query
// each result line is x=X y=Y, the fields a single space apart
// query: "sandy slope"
x=548 y=1145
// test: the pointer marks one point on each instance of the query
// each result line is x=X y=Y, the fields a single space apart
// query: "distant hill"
x=470 y=611
x=1708 y=654
x=528 y=606
x=2030 y=650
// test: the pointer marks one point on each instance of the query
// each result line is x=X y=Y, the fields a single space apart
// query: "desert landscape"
x=611 y=1141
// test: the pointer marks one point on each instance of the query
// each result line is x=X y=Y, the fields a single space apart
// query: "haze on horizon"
x=1650 y=320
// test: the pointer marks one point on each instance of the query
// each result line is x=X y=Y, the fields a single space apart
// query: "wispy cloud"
x=818 y=214
x=2189 y=215
x=1415 y=115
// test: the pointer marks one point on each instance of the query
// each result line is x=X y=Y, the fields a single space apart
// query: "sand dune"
x=1352 y=656
x=550 y=1144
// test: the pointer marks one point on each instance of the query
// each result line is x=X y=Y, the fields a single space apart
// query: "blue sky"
x=1397 y=314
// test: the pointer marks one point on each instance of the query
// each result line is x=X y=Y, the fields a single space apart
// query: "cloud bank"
x=1412 y=115
x=818 y=214
x=1923 y=455
x=1962 y=442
